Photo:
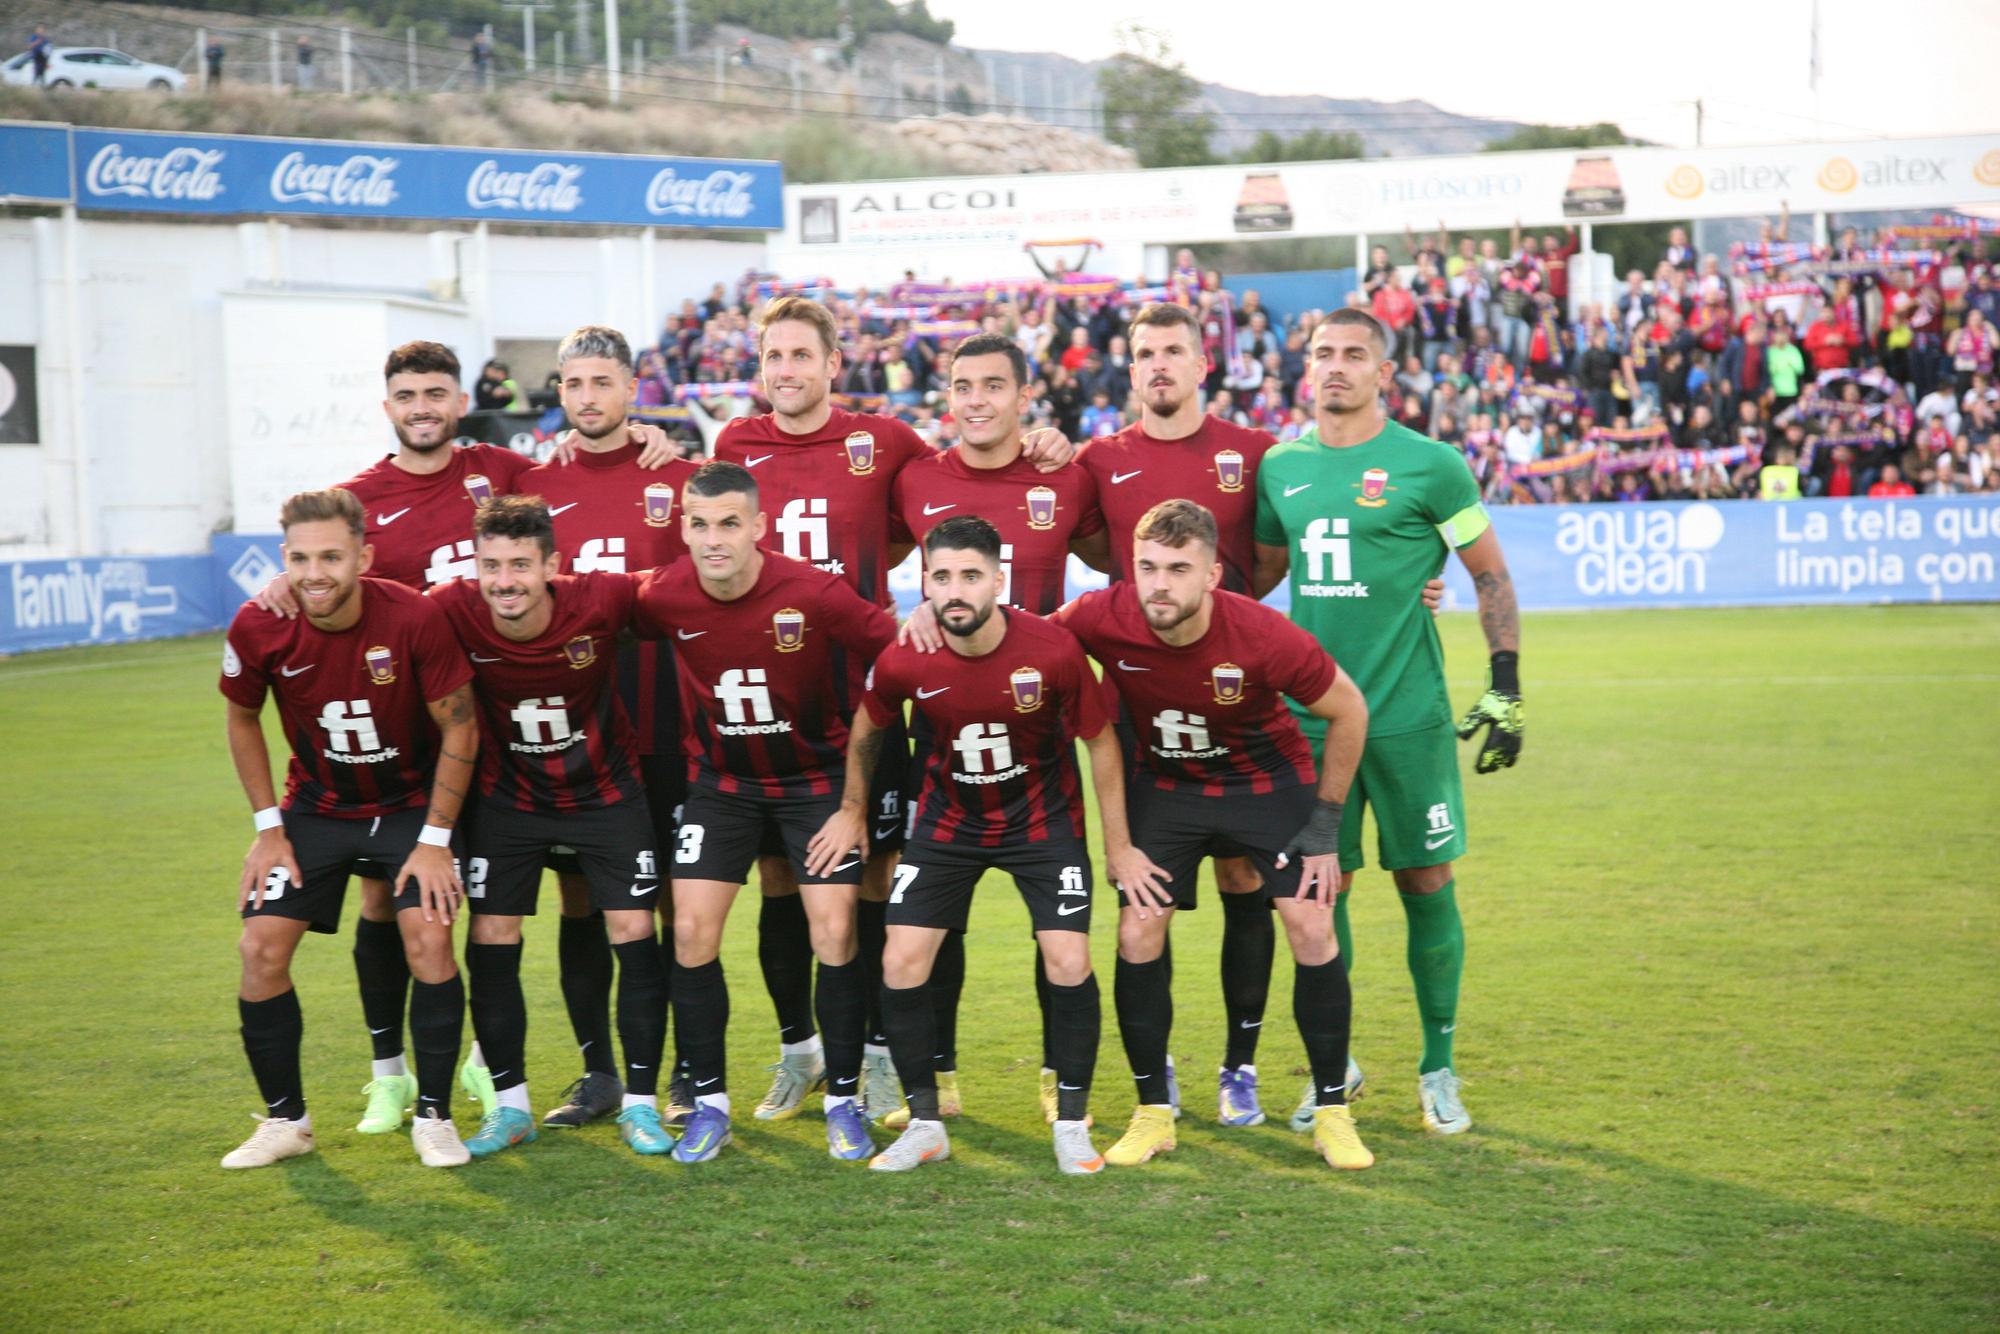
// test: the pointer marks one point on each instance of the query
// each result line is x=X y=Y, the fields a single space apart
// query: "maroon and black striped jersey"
x=826 y=494
x=422 y=526
x=1210 y=716
x=353 y=702
x=554 y=735
x=1003 y=767
x=613 y=515
x=765 y=691
x=1215 y=467
x=1038 y=514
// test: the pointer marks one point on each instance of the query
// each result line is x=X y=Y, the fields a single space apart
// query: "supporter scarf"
x=943 y=328
x=812 y=287
x=860 y=402
x=892 y=313
x=1633 y=435
x=660 y=413
x=688 y=393
x=1552 y=394
x=1772 y=291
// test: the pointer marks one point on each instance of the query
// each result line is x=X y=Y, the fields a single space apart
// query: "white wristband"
x=435 y=835
x=268 y=818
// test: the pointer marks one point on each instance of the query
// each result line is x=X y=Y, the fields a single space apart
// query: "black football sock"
x=437 y=1027
x=583 y=952
x=1247 y=942
x=499 y=1012
x=1077 y=1019
x=680 y=1065
x=642 y=1012
x=1145 y=1005
x=272 y=1032
x=1042 y=1002
x=912 y=1039
x=1324 y=1007
x=947 y=984
x=383 y=973
x=843 y=1009
x=871 y=930
x=701 y=1023
x=785 y=952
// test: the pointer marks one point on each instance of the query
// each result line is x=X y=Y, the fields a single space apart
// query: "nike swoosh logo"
x=1433 y=843
x=1447 y=1028
x=938 y=509
x=1120 y=477
x=377 y=1032
x=640 y=890
x=844 y=865
x=477 y=658
x=1294 y=490
x=384 y=520
x=1247 y=1024
x=1066 y=909
x=560 y=508
x=751 y=463
x=1069 y=1088
x=890 y=832
x=704 y=1083
x=1125 y=666
x=689 y=634
x=926 y=694
x=297 y=671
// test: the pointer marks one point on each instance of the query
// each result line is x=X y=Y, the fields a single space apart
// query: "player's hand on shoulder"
x=844 y=835
x=1047 y=448
x=276 y=597
x=656 y=448
x=1144 y=883
x=921 y=631
x=270 y=851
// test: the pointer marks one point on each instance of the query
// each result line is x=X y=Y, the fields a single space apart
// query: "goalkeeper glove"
x=1500 y=709
x=1318 y=837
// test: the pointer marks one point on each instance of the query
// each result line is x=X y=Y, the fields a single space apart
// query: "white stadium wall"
x=227 y=364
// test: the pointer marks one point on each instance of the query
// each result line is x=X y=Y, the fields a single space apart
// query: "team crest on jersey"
x=1373 y=483
x=381 y=665
x=1042 y=508
x=581 y=651
x=1227 y=678
x=788 y=629
x=479 y=487
x=1026 y=683
x=659 y=504
x=1229 y=471
x=860 y=453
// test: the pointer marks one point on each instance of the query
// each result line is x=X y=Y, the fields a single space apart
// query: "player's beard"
x=1353 y=398
x=605 y=428
x=447 y=432
x=1181 y=611
x=1165 y=400
x=805 y=405
x=970 y=628
x=342 y=596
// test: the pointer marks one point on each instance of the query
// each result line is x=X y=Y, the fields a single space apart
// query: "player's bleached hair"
x=988 y=345
x=1164 y=315
x=319 y=506
x=803 y=310
x=964 y=532
x=718 y=477
x=1175 y=523
x=595 y=342
x=1360 y=319
x=524 y=517
x=421 y=358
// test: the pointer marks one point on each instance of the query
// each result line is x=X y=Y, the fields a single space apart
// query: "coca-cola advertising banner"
x=137 y=171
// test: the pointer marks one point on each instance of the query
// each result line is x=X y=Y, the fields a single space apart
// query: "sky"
x=1915 y=67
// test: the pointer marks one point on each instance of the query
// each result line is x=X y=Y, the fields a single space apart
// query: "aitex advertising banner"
x=134 y=171
x=1385 y=195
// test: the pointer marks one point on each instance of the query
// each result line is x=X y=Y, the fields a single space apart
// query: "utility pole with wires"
x=528 y=8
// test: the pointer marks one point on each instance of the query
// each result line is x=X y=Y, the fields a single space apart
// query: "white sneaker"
x=438 y=1143
x=274 y=1139
x=1075 y=1154
x=922 y=1142
x=1302 y=1116
x=1437 y=1094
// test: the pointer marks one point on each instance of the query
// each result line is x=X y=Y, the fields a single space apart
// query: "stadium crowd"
x=1779 y=370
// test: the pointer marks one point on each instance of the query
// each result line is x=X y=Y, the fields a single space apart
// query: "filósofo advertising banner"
x=142 y=171
x=1747 y=553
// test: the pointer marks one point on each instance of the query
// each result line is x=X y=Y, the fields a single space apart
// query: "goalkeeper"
x=1361 y=512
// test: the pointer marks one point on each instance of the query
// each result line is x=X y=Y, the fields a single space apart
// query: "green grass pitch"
x=1728 y=1033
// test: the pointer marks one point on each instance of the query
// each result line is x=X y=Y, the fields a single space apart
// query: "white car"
x=94 y=67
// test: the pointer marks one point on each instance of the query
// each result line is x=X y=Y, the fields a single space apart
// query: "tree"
x=1310 y=146
x=1601 y=135
x=1152 y=104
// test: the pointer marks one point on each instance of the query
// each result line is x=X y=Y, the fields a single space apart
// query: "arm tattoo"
x=453 y=709
x=1499 y=616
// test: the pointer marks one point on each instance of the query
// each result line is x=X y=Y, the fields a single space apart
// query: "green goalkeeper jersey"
x=1366 y=528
